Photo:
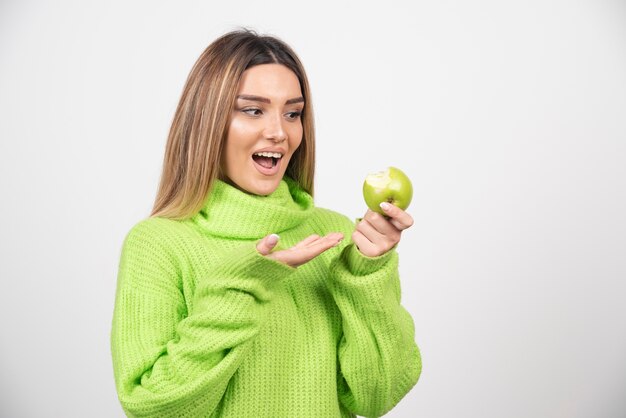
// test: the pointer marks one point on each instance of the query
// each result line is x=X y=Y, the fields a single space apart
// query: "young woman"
x=238 y=297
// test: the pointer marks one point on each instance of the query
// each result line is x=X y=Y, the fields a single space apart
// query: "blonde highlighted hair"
x=200 y=126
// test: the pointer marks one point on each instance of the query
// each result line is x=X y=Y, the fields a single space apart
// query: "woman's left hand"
x=376 y=234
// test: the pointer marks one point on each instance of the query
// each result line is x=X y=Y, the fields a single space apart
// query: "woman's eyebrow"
x=266 y=100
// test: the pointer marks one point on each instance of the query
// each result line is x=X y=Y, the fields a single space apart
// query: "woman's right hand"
x=302 y=252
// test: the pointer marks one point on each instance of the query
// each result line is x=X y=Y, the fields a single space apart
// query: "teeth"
x=269 y=154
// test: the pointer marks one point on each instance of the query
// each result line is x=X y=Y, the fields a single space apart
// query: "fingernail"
x=385 y=206
x=272 y=239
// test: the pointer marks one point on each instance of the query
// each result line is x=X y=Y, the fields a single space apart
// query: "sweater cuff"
x=361 y=265
x=263 y=267
x=246 y=270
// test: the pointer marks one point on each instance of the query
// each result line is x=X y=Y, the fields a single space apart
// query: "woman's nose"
x=274 y=129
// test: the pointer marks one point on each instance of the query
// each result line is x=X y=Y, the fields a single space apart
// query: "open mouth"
x=267 y=162
x=267 y=159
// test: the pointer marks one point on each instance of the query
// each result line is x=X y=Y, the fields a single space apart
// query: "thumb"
x=267 y=244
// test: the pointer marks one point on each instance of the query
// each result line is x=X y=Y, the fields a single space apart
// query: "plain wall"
x=509 y=117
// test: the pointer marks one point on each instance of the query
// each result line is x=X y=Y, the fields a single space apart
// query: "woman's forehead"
x=274 y=82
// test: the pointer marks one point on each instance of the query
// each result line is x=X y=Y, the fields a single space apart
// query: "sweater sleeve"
x=167 y=361
x=378 y=358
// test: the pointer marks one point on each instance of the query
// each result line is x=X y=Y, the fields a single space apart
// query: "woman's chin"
x=265 y=187
x=262 y=187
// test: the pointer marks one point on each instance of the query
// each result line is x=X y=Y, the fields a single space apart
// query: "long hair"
x=196 y=139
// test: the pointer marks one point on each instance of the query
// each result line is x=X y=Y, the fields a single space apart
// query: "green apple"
x=390 y=185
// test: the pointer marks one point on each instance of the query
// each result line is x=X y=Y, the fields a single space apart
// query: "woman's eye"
x=252 y=111
x=294 y=115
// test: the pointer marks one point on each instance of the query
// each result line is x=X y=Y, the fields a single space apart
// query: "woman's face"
x=266 y=119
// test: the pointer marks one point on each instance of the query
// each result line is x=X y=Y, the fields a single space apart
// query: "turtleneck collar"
x=233 y=213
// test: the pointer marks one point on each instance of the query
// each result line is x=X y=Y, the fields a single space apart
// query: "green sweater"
x=205 y=326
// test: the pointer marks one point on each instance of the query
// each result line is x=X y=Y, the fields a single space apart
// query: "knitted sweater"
x=205 y=326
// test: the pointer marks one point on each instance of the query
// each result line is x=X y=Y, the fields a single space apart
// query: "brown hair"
x=200 y=126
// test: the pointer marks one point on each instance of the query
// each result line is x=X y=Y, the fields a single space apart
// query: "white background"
x=510 y=117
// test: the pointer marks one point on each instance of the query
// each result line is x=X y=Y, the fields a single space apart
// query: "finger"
x=307 y=241
x=382 y=242
x=297 y=256
x=267 y=244
x=382 y=224
x=370 y=232
x=364 y=245
x=320 y=245
x=399 y=218
x=315 y=240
